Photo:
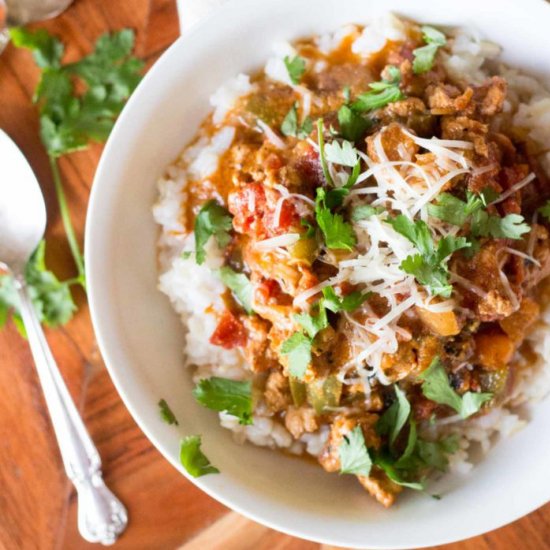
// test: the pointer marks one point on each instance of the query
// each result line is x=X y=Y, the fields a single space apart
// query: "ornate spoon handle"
x=101 y=516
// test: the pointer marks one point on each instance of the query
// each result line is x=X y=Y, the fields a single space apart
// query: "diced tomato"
x=267 y=290
x=254 y=209
x=230 y=333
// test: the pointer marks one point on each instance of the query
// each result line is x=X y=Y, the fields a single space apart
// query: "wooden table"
x=37 y=504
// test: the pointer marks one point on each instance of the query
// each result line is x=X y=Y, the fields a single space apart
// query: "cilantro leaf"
x=337 y=233
x=295 y=67
x=352 y=125
x=68 y=121
x=343 y=153
x=381 y=93
x=298 y=349
x=350 y=302
x=240 y=285
x=166 y=413
x=335 y=197
x=46 y=49
x=193 y=459
x=313 y=324
x=395 y=417
x=482 y=224
x=212 y=220
x=395 y=475
x=436 y=387
x=545 y=209
x=365 y=211
x=354 y=455
x=429 y=267
x=290 y=126
x=225 y=395
x=424 y=56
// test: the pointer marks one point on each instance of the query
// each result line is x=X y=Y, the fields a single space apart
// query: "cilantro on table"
x=166 y=413
x=291 y=127
x=381 y=93
x=193 y=459
x=545 y=210
x=436 y=387
x=354 y=455
x=70 y=119
x=51 y=298
x=212 y=220
x=295 y=67
x=429 y=266
x=424 y=56
x=457 y=212
x=224 y=395
x=240 y=285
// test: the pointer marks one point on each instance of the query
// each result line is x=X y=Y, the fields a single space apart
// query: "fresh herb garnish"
x=365 y=211
x=381 y=93
x=343 y=153
x=352 y=124
x=291 y=127
x=295 y=67
x=212 y=220
x=313 y=324
x=51 y=298
x=225 y=395
x=166 y=413
x=395 y=417
x=354 y=455
x=482 y=224
x=240 y=285
x=337 y=233
x=193 y=459
x=436 y=387
x=69 y=119
x=429 y=267
x=298 y=349
x=396 y=475
x=424 y=57
x=349 y=302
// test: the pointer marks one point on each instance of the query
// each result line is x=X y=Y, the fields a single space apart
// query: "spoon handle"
x=101 y=516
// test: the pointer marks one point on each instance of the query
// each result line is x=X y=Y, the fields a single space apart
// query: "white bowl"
x=141 y=338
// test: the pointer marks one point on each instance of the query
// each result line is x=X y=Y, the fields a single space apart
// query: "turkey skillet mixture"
x=356 y=240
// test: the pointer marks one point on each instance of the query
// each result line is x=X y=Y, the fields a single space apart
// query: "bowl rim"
x=106 y=348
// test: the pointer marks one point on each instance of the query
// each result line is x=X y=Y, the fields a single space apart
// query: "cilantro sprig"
x=436 y=387
x=224 y=395
x=295 y=67
x=291 y=126
x=354 y=455
x=51 y=298
x=241 y=286
x=424 y=56
x=70 y=118
x=381 y=93
x=299 y=345
x=429 y=266
x=457 y=212
x=193 y=459
x=213 y=220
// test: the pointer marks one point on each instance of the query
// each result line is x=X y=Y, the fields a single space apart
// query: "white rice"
x=195 y=291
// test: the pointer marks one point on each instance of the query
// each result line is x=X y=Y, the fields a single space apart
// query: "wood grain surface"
x=37 y=504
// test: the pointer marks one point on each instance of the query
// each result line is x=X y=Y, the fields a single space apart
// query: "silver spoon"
x=101 y=516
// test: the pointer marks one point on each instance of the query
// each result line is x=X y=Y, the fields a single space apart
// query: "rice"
x=195 y=290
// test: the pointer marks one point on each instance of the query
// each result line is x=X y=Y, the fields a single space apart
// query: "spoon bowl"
x=22 y=208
